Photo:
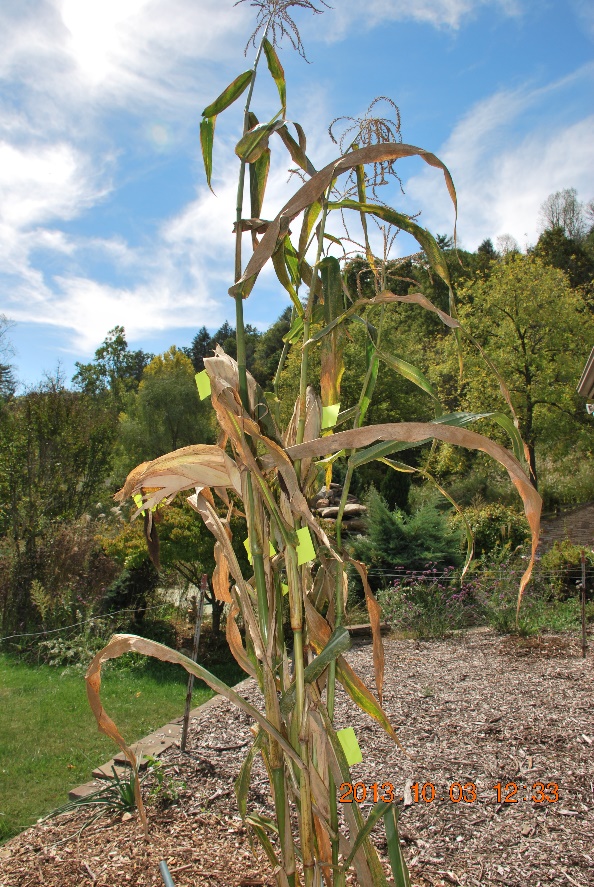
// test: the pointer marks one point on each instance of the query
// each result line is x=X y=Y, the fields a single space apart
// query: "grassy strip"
x=49 y=741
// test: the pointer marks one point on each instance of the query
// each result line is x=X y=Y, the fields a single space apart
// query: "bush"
x=428 y=603
x=132 y=590
x=494 y=526
x=496 y=593
x=397 y=540
x=562 y=565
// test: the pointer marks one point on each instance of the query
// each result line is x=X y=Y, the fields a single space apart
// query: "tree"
x=55 y=453
x=573 y=256
x=201 y=347
x=7 y=380
x=116 y=370
x=537 y=331
x=165 y=413
x=203 y=344
x=563 y=210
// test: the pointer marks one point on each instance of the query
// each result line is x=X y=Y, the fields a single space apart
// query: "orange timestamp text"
x=504 y=793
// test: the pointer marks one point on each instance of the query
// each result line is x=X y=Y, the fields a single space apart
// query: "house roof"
x=586 y=384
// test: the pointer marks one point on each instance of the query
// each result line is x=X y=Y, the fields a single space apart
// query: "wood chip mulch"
x=477 y=709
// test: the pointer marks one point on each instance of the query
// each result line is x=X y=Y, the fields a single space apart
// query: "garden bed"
x=480 y=709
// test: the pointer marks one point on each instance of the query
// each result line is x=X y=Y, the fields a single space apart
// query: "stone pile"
x=326 y=502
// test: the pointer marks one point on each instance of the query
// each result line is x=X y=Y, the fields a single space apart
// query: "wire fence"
x=97 y=618
x=385 y=576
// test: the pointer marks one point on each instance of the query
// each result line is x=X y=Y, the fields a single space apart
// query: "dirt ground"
x=479 y=715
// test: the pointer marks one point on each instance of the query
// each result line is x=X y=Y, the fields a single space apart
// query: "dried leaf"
x=127 y=643
x=421 y=431
x=375 y=618
x=199 y=465
x=315 y=187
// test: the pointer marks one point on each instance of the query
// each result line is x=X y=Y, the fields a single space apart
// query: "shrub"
x=398 y=540
x=562 y=565
x=494 y=526
x=428 y=603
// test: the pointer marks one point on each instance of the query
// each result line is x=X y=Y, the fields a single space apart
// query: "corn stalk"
x=268 y=472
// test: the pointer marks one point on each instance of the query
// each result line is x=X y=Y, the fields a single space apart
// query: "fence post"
x=197 y=627
x=583 y=601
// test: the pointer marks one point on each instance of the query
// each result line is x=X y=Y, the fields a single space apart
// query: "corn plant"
x=268 y=473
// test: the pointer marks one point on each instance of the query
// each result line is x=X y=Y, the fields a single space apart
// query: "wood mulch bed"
x=478 y=709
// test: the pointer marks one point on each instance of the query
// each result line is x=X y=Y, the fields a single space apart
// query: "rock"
x=355 y=508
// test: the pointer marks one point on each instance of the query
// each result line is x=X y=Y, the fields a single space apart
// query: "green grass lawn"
x=49 y=740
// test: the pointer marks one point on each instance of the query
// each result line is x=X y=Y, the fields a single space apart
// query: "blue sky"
x=105 y=217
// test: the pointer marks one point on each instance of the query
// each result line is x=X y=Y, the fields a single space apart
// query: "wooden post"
x=583 y=600
x=198 y=626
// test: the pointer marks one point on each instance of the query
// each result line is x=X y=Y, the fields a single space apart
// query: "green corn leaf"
x=292 y=260
x=339 y=642
x=296 y=330
x=411 y=373
x=229 y=95
x=242 y=783
x=375 y=814
x=277 y=72
x=346 y=415
x=421 y=235
x=207 y=128
x=363 y=697
x=516 y=438
x=370 y=380
x=264 y=840
x=309 y=219
x=397 y=863
x=255 y=141
x=258 y=178
x=285 y=278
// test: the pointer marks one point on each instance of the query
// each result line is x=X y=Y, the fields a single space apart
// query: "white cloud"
x=44 y=181
x=437 y=13
x=502 y=175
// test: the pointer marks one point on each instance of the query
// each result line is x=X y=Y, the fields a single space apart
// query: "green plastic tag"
x=350 y=746
x=203 y=384
x=330 y=415
x=305 y=550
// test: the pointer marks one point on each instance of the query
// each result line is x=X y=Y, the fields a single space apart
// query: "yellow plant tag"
x=350 y=746
x=248 y=548
x=330 y=415
x=305 y=550
x=203 y=384
x=284 y=588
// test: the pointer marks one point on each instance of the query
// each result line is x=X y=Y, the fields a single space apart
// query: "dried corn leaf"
x=319 y=634
x=220 y=576
x=421 y=431
x=314 y=188
x=375 y=614
x=235 y=645
x=199 y=465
